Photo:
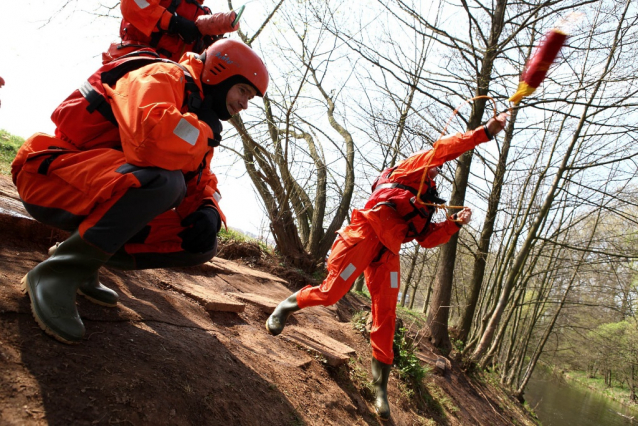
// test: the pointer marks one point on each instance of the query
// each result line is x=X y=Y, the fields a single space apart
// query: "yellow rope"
x=425 y=170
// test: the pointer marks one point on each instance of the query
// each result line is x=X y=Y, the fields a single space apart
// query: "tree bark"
x=521 y=257
x=483 y=249
x=439 y=310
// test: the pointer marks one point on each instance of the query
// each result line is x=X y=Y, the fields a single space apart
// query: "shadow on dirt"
x=155 y=359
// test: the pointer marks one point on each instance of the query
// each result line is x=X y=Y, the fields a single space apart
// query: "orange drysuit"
x=145 y=24
x=76 y=183
x=371 y=242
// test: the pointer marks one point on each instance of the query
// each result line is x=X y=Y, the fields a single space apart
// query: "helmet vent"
x=217 y=69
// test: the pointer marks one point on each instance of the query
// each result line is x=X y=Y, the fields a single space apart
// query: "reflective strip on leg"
x=394 y=280
x=348 y=272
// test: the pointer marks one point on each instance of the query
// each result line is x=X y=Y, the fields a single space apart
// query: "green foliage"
x=232 y=235
x=360 y=379
x=9 y=145
x=459 y=345
x=407 y=363
x=617 y=392
x=319 y=275
x=410 y=316
x=359 y=320
x=226 y=235
x=364 y=293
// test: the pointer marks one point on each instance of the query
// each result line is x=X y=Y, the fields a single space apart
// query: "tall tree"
x=591 y=103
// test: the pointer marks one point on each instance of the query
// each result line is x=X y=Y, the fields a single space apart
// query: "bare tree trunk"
x=547 y=203
x=408 y=280
x=426 y=303
x=632 y=387
x=483 y=249
x=440 y=305
x=539 y=349
x=415 y=287
x=548 y=330
x=358 y=284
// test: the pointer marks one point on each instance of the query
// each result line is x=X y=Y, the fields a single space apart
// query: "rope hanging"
x=434 y=147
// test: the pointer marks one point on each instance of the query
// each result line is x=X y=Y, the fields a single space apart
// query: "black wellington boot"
x=52 y=287
x=380 y=375
x=277 y=320
x=93 y=289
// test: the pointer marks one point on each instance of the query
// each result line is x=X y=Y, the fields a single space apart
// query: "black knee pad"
x=160 y=190
x=170 y=183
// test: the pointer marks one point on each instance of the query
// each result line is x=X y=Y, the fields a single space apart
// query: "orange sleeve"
x=447 y=148
x=145 y=15
x=154 y=133
x=437 y=234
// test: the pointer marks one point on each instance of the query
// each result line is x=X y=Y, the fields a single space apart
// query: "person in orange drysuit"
x=128 y=173
x=170 y=27
x=371 y=244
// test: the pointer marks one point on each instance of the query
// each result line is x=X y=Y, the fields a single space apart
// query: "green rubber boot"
x=52 y=286
x=277 y=320
x=380 y=375
x=93 y=289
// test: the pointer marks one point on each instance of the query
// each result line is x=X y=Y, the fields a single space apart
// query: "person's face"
x=238 y=97
x=433 y=172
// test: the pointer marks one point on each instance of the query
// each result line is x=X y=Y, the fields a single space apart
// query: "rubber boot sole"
x=34 y=310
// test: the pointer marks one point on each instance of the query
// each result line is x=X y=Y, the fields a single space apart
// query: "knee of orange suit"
x=170 y=183
x=332 y=297
x=112 y=223
x=316 y=296
x=177 y=185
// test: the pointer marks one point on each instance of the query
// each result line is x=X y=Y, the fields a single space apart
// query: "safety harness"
x=94 y=94
x=81 y=105
x=425 y=209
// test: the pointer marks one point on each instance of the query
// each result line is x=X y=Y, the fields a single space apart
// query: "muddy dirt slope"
x=188 y=347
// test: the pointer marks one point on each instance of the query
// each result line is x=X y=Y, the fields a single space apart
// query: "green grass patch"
x=9 y=145
x=441 y=402
x=411 y=317
x=617 y=392
x=228 y=235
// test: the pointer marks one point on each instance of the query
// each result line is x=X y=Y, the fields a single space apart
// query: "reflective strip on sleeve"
x=347 y=272
x=394 y=280
x=142 y=4
x=186 y=131
x=217 y=196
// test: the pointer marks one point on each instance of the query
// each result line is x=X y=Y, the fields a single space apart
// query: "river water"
x=557 y=403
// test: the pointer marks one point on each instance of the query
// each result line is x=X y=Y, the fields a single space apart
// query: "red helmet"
x=226 y=58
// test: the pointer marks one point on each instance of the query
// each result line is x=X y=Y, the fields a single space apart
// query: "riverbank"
x=617 y=392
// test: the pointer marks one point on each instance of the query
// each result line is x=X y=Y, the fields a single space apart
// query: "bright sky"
x=42 y=64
